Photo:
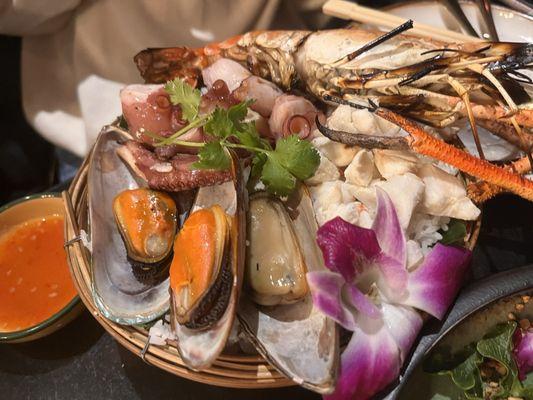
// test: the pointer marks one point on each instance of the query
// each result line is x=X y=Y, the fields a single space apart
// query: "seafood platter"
x=290 y=207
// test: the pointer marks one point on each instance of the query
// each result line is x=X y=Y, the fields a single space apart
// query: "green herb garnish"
x=455 y=233
x=466 y=368
x=279 y=169
x=186 y=96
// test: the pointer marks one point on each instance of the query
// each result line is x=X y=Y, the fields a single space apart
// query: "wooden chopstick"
x=347 y=10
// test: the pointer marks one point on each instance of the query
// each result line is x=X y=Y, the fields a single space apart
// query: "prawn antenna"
x=338 y=100
x=377 y=41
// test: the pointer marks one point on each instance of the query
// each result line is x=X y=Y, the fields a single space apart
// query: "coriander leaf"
x=257 y=164
x=455 y=233
x=219 y=125
x=238 y=112
x=224 y=123
x=266 y=144
x=298 y=156
x=186 y=96
x=248 y=136
x=276 y=178
x=212 y=156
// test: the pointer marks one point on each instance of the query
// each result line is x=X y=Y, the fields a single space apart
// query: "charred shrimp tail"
x=158 y=65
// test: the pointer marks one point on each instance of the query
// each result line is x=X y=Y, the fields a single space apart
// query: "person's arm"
x=34 y=17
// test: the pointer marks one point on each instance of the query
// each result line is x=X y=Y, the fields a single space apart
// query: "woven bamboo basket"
x=235 y=371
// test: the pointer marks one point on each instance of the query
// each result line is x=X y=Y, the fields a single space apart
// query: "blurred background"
x=28 y=163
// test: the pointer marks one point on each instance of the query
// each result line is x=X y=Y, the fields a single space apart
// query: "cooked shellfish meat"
x=296 y=338
x=147 y=223
x=200 y=274
x=275 y=267
x=207 y=297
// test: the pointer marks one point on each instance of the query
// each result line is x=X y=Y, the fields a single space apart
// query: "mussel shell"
x=161 y=265
x=297 y=339
x=199 y=348
x=117 y=291
x=215 y=303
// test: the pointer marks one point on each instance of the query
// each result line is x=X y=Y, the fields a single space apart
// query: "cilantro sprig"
x=278 y=168
x=186 y=96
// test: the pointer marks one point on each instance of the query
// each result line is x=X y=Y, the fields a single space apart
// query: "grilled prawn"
x=432 y=82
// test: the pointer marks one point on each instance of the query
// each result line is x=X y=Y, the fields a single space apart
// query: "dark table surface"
x=82 y=361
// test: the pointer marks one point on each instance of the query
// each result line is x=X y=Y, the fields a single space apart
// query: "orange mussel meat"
x=200 y=273
x=147 y=222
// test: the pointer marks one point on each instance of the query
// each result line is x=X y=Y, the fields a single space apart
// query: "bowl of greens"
x=485 y=348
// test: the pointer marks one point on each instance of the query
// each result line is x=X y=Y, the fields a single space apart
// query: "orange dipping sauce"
x=35 y=282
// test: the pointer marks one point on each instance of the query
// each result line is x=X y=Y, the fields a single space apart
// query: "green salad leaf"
x=497 y=344
x=464 y=368
x=466 y=374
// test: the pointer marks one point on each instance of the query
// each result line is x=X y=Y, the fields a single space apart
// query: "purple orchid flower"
x=523 y=351
x=368 y=290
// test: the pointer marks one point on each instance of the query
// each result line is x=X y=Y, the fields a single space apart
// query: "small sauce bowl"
x=16 y=213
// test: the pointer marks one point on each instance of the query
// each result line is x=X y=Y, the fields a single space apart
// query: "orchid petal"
x=393 y=278
x=368 y=364
x=404 y=324
x=435 y=283
x=388 y=230
x=326 y=290
x=346 y=248
x=523 y=351
x=361 y=302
